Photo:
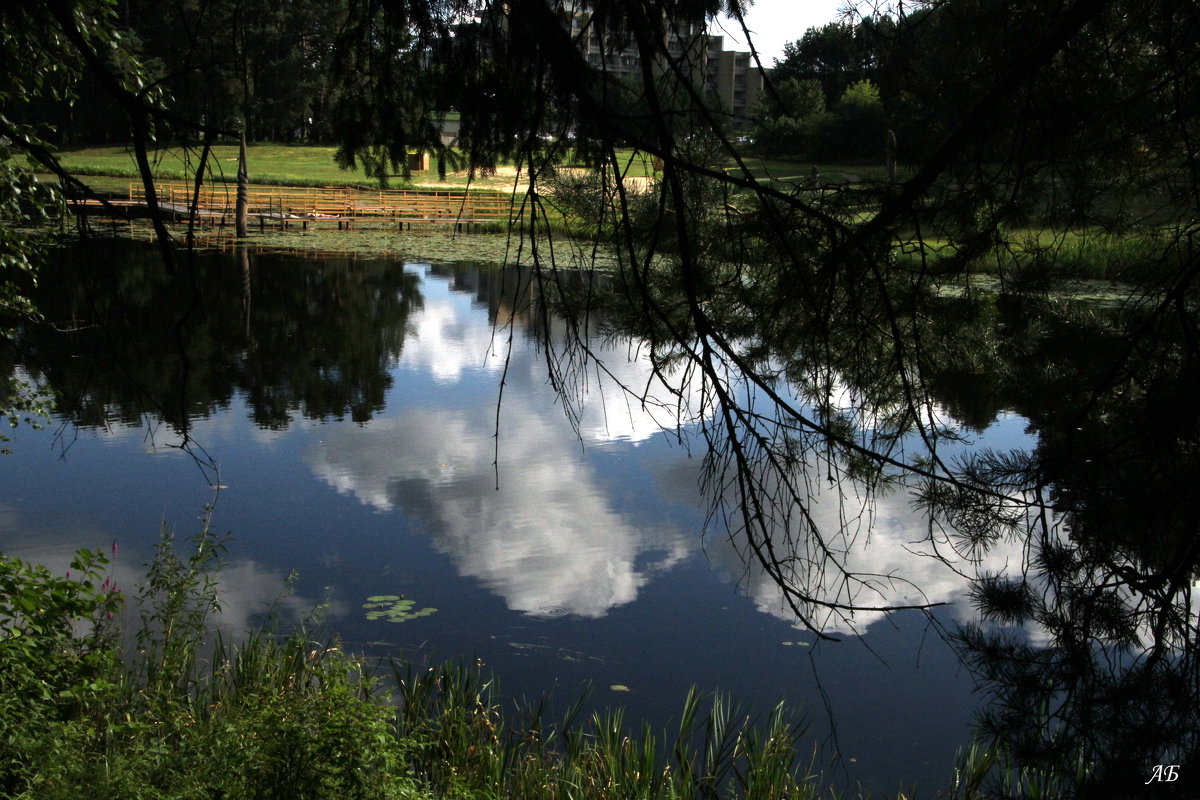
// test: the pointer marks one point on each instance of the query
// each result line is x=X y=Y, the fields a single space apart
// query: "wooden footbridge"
x=284 y=206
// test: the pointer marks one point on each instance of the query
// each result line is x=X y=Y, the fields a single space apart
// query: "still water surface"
x=558 y=556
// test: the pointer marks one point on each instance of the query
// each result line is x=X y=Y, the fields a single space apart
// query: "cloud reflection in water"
x=551 y=536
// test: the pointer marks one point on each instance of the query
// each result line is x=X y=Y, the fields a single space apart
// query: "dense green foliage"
x=181 y=715
x=825 y=100
x=261 y=67
x=53 y=677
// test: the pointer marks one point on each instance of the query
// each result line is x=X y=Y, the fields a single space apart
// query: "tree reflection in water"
x=1085 y=646
x=318 y=343
x=1085 y=643
x=1109 y=528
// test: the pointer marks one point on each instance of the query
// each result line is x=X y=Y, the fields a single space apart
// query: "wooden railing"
x=286 y=204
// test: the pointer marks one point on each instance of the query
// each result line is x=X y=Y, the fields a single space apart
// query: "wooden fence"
x=285 y=206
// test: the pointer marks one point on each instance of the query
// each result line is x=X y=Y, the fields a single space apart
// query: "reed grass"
x=1038 y=257
x=188 y=714
x=460 y=741
x=983 y=771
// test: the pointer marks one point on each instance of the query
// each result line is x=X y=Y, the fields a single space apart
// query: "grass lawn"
x=268 y=163
x=110 y=168
x=788 y=171
x=276 y=164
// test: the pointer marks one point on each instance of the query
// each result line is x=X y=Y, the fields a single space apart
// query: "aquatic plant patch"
x=394 y=608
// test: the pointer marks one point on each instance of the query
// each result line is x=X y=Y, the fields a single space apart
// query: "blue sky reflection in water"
x=587 y=564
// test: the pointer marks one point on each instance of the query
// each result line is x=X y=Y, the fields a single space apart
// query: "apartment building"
x=730 y=79
x=734 y=79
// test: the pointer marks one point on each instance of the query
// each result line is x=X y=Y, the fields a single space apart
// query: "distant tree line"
x=839 y=89
x=260 y=66
x=279 y=70
x=286 y=71
x=825 y=98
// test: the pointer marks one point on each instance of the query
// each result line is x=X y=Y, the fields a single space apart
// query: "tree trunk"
x=242 y=190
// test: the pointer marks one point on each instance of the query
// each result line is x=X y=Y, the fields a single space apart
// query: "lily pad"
x=394 y=608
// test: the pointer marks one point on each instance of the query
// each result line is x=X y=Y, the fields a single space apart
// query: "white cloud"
x=775 y=22
x=547 y=540
x=444 y=338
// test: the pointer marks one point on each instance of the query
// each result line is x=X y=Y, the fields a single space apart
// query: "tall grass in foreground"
x=460 y=744
x=990 y=772
x=184 y=713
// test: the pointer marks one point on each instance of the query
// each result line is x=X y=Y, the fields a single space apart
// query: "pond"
x=344 y=419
